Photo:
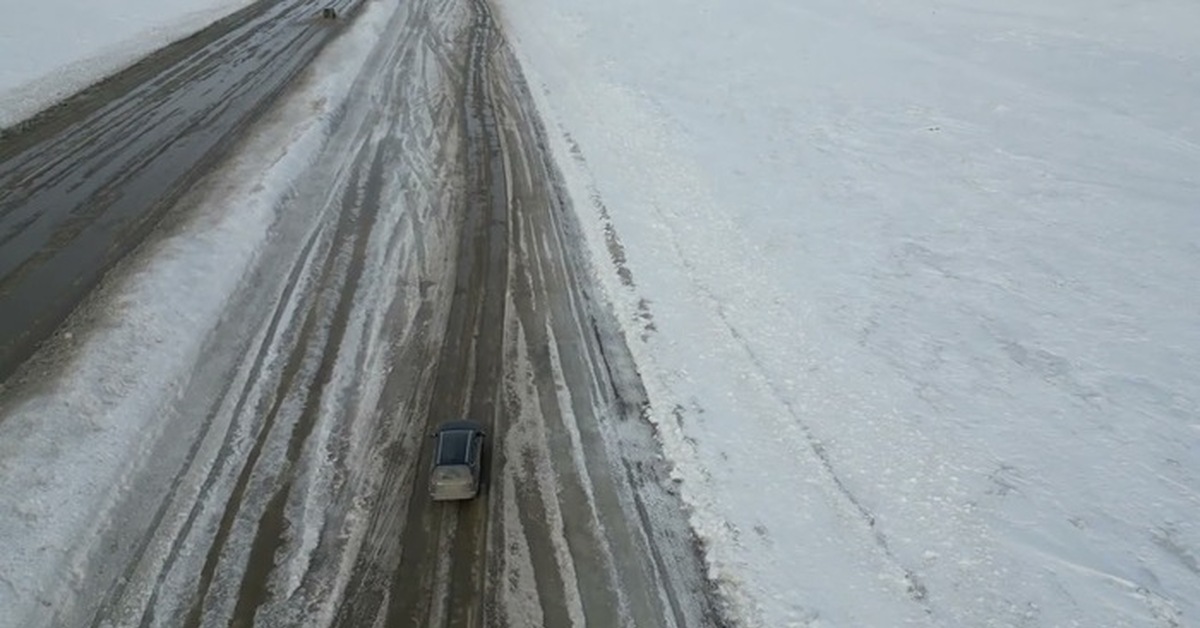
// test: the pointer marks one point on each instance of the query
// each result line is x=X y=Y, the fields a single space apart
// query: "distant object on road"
x=457 y=452
x=329 y=13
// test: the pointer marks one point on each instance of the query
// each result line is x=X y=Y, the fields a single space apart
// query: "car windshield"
x=453 y=447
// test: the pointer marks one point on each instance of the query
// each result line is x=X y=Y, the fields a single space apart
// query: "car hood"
x=451 y=473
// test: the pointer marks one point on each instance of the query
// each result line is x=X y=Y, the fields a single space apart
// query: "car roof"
x=454 y=446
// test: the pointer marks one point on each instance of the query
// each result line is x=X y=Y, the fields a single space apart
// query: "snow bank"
x=68 y=452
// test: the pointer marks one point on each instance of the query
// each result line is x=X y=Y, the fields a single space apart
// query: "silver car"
x=457 y=456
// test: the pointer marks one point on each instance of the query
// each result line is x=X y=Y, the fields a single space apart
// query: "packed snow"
x=70 y=451
x=913 y=289
x=911 y=286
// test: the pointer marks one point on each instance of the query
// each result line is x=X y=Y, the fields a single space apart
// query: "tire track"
x=275 y=329
x=591 y=510
x=299 y=355
x=272 y=526
x=618 y=499
x=465 y=384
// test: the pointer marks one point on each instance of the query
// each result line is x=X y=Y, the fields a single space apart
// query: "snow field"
x=919 y=275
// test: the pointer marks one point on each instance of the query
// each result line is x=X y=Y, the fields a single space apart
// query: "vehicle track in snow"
x=426 y=267
x=210 y=549
x=576 y=526
x=438 y=580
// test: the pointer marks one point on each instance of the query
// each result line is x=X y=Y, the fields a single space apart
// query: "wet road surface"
x=86 y=181
x=427 y=267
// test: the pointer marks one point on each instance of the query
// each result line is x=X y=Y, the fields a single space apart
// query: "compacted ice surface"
x=913 y=289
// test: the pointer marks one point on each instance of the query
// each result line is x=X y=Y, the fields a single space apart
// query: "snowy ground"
x=228 y=429
x=71 y=453
x=913 y=287
x=54 y=48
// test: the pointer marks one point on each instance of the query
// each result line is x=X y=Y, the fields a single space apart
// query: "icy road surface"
x=234 y=430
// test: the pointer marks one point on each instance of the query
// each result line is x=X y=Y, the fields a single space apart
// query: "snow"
x=69 y=452
x=54 y=48
x=912 y=287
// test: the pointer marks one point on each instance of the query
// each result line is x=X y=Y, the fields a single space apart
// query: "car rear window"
x=453 y=446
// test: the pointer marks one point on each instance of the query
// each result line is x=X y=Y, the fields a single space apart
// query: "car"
x=457 y=461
